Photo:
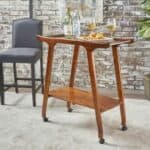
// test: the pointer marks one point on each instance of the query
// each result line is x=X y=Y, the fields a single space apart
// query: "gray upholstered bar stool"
x=25 y=49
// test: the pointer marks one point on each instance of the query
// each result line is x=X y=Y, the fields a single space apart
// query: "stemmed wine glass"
x=91 y=24
x=90 y=21
x=111 y=26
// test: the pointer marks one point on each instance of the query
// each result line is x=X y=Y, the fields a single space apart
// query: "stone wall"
x=135 y=58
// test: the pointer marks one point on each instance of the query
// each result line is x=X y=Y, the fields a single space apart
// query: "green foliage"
x=146 y=6
x=144 y=24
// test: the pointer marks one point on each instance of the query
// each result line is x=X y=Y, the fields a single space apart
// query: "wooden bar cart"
x=76 y=96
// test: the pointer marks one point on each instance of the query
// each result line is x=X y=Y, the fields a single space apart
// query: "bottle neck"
x=76 y=15
x=69 y=11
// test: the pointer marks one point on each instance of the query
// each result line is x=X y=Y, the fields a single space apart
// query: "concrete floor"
x=21 y=126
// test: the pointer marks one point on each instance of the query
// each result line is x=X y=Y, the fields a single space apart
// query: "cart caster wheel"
x=124 y=128
x=45 y=119
x=70 y=110
x=102 y=141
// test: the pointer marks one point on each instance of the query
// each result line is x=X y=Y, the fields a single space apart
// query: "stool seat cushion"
x=20 y=55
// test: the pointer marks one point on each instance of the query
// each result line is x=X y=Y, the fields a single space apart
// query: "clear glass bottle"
x=68 y=24
x=76 y=24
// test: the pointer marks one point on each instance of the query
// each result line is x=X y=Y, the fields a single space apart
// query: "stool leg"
x=47 y=80
x=33 y=84
x=73 y=71
x=92 y=73
x=15 y=77
x=2 y=84
x=119 y=87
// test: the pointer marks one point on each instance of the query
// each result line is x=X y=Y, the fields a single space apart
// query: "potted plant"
x=144 y=32
x=144 y=23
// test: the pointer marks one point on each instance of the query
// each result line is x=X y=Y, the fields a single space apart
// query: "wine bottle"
x=76 y=24
x=68 y=28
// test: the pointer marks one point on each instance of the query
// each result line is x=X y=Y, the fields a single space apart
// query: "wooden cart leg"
x=92 y=73
x=119 y=87
x=47 y=80
x=73 y=71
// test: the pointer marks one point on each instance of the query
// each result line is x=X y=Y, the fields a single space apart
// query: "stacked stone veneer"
x=135 y=58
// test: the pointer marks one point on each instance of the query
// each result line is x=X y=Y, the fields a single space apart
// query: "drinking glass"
x=91 y=24
x=111 y=26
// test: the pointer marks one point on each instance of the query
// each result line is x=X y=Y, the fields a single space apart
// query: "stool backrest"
x=24 y=32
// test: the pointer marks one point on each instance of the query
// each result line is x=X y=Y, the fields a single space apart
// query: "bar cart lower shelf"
x=83 y=98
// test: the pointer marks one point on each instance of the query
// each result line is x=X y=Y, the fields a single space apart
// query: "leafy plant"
x=144 y=24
